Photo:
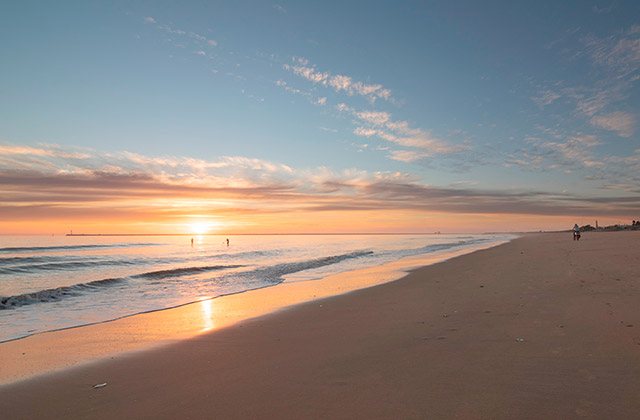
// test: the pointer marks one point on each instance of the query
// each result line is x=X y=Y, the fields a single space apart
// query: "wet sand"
x=542 y=327
x=57 y=350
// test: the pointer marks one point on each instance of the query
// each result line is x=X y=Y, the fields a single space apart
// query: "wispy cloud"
x=418 y=144
x=338 y=82
x=619 y=54
x=374 y=117
x=622 y=123
x=616 y=63
x=566 y=153
x=604 y=9
x=279 y=8
x=48 y=150
x=591 y=100
x=381 y=125
x=546 y=97
x=623 y=171
x=194 y=37
x=614 y=68
x=576 y=150
x=314 y=99
x=409 y=156
x=525 y=159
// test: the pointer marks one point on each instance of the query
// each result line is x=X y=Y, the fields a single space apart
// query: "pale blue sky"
x=492 y=96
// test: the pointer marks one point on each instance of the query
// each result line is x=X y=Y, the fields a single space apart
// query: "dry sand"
x=542 y=327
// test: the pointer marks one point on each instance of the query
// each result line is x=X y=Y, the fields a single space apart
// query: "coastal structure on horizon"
x=634 y=225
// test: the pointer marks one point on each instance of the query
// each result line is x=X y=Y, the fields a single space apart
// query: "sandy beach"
x=541 y=327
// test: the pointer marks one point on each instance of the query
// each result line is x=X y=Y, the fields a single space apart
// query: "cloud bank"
x=62 y=183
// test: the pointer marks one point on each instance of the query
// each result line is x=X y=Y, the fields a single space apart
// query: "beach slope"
x=541 y=327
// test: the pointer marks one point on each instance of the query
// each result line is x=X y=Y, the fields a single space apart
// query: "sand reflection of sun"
x=207 y=314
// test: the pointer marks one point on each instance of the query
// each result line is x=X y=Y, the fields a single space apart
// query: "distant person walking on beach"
x=191 y=241
x=227 y=241
x=576 y=232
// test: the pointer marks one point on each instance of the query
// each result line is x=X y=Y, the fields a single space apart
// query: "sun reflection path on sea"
x=207 y=314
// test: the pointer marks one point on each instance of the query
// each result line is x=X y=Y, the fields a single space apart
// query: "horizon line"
x=281 y=233
x=250 y=234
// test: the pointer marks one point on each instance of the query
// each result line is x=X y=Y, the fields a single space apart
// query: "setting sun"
x=201 y=228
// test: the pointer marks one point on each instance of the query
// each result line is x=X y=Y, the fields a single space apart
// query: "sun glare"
x=200 y=228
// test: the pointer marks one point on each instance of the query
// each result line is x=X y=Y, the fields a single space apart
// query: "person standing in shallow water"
x=227 y=241
x=576 y=232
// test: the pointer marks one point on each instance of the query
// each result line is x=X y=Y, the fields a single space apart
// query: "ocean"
x=55 y=282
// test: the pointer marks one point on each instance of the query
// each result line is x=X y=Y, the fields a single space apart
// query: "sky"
x=319 y=116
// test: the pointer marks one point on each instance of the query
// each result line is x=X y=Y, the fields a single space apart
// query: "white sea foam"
x=51 y=283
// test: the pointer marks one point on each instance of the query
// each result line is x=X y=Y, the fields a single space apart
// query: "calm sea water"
x=49 y=283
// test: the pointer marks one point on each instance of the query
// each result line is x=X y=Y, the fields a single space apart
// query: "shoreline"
x=168 y=325
x=539 y=327
x=289 y=234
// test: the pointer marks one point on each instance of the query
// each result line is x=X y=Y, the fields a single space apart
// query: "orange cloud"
x=50 y=189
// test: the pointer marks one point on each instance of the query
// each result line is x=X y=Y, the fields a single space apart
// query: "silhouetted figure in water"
x=227 y=241
x=192 y=242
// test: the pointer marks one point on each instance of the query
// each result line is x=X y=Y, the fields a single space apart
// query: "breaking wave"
x=272 y=274
x=69 y=247
x=56 y=294
x=177 y=272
